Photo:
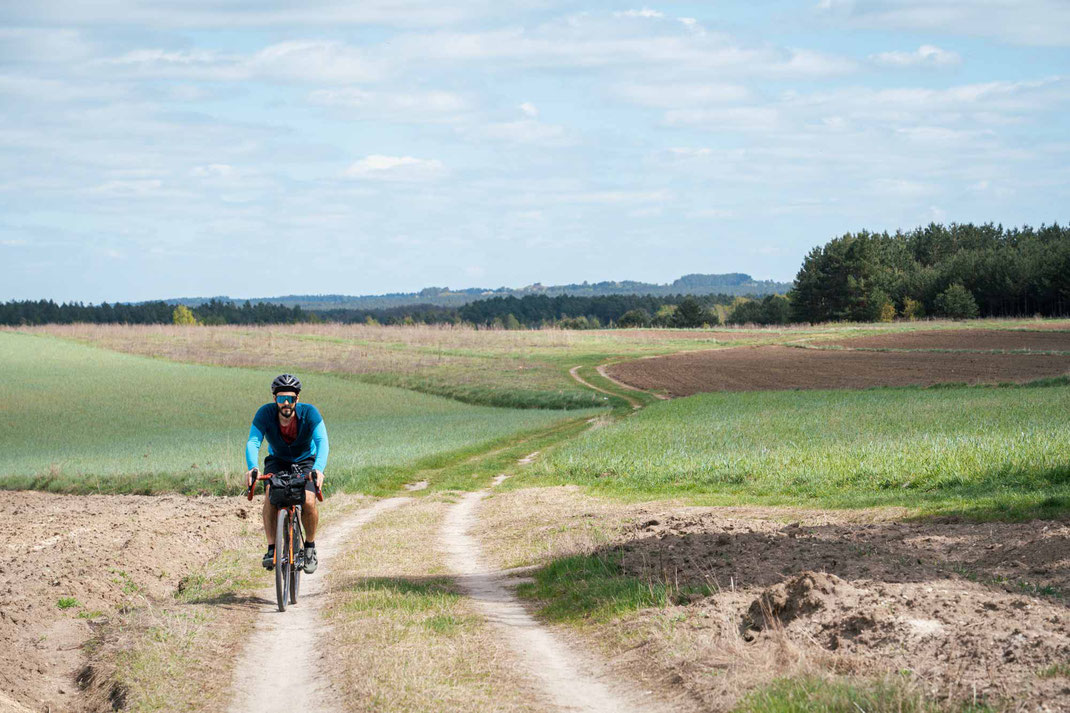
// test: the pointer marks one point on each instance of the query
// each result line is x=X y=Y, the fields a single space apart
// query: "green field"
x=82 y=419
x=985 y=450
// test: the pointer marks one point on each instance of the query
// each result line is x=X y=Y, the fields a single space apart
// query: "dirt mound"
x=967 y=608
x=798 y=596
x=776 y=368
x=71 y=562
x=1001 y=339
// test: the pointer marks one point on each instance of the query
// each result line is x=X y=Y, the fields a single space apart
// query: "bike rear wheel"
x=282 y=558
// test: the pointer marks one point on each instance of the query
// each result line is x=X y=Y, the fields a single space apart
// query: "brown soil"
x=706 y=335
x=777 y=367
x=110 y=553
x=997 y=339
x=967 y=607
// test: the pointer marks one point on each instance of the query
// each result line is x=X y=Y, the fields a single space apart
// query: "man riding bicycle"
x=297 y=440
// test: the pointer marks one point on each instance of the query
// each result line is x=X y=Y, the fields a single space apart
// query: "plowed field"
x=996 y=339
x=776 y=368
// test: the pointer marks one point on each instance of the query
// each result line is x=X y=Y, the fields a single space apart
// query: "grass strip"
x=818 y=695
x=402 y=637
x=595 y=589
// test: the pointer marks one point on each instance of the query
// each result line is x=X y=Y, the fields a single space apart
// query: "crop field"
x=82 y=419
x=816 y=520
x=523 y=369
x=960 y=449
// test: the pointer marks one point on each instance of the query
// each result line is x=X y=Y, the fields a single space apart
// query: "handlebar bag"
x=287 y=490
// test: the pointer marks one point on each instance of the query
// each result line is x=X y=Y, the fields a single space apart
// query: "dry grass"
x=178 y=654
x=401 y=636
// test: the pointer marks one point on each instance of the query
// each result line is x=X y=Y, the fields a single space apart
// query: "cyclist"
x=296 y=436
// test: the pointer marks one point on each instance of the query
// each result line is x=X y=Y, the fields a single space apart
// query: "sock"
x=271 y=548
x=310 y=543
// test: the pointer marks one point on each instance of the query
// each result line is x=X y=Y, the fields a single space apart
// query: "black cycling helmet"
x=286 y=382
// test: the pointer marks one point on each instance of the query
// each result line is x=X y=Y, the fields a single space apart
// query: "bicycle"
x=288 y=531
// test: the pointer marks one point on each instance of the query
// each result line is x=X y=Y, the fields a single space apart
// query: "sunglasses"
x=285 y=399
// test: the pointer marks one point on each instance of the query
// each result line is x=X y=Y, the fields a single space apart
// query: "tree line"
x=959 y=271
x=31 y=312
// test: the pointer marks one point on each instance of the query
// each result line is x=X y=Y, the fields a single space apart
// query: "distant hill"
x=734 y=283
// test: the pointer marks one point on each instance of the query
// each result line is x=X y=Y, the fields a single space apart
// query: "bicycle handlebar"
x=267 y=476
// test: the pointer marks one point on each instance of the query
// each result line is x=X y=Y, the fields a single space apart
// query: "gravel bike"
x=289 y=536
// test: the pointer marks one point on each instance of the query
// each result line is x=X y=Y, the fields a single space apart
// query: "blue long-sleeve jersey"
x=311 y=437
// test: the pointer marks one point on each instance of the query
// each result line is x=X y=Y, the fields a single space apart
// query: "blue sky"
x=157 y=149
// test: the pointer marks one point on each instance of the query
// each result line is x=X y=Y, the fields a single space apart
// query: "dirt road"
x=570 y=680
x=284 y=644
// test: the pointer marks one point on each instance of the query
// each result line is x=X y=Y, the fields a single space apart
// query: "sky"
x=159 y=149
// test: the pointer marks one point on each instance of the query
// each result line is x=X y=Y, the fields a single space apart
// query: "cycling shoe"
x=269 y=560
x=310 y=560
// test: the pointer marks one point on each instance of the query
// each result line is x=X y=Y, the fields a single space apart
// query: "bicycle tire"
x=282 y=552
x=295 y=537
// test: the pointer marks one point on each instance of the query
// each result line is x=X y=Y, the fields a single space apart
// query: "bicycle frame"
x=288 y=530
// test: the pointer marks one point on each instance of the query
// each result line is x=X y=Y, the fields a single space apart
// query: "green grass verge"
x=80 y=419
x=816 y=695
x=984 y=452
x=593 y=588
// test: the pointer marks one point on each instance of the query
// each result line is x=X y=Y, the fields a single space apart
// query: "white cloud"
x=227 y=14
x=396 y=168
x=316 y=61
x=529 y=109
x=45 y=45
x=299 y=61
x=645 y=13
x=670 y=95
x=599 y=41
x=213 y=170
x=926 y=55
x=523 y=131
x=392 y=106
x=615 y=197
x=1026 y=22
x=741 y=118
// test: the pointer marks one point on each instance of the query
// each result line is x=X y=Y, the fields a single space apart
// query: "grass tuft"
x=593 y=588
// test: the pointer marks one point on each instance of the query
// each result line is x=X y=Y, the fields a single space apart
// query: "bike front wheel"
x=294 y=532
x=282 y=558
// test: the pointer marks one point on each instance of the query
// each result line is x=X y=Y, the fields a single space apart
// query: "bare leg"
x=271 y=514
x=310 y=516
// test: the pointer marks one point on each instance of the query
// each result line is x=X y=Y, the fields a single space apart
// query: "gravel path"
x=570 y=680
x=283 y=646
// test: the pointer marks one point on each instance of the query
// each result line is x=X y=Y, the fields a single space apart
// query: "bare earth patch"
x=996 y=339
x=776 y=367
x=72 y=563
x=963 y=609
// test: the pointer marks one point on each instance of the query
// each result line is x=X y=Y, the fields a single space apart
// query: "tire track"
x=602 y=370
x=281 y=650
x=569 y=679
x=574 y=373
